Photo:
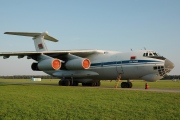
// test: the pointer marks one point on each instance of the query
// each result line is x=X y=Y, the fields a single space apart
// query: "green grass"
x=168 y=84
x=23 y=99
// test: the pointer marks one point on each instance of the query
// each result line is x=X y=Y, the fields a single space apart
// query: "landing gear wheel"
x=74 y=83
x=98 y=83
x=93 y=83
x=67 y=83
x=123 y=85
x=126 y=85
x=89 y=84
x=83 y=84
x=60 y=83
x=129 y=84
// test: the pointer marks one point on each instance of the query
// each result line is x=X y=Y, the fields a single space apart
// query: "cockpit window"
x=155 y=54
x=158 y=54
x=151 y=54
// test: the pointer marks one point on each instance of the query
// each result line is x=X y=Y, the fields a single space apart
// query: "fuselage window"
x=146 y=54
x=155 y=67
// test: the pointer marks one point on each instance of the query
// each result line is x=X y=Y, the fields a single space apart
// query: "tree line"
x=28 y=77
x=167 y=77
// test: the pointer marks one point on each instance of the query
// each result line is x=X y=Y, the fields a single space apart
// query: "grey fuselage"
x=142 y=64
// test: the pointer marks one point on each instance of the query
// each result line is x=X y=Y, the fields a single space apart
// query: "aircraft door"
x=119 y=67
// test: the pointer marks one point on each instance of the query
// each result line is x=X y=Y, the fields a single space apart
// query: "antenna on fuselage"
x=144 y=48
x=131 y=50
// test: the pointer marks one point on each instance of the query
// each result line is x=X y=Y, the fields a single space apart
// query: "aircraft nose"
x=169 y=64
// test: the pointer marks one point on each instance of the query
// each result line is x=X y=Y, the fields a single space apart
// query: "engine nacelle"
x=78 y=64
x=47 y=64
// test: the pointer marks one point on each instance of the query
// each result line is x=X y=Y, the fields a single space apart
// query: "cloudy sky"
x=118 y=25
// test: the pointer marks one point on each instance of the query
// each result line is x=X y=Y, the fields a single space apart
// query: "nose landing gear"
x=126 y=85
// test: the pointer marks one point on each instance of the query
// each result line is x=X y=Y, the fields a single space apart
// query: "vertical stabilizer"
x=38 y=39
x=39 y=43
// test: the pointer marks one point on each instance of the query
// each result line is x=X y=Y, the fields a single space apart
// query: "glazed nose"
x=169 y=64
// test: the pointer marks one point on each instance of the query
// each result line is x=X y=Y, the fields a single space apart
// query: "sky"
x=118 y=25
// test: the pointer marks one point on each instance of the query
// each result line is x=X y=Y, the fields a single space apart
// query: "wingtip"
x=8 y=32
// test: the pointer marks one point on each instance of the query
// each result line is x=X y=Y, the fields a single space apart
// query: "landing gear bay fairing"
x=90 y=66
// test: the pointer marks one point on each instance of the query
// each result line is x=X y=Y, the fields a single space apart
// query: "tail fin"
x=38 y=39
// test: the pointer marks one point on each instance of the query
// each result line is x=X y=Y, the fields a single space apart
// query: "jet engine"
x=78 y=64
x=46 y=64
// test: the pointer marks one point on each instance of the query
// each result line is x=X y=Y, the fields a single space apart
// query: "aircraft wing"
x=51 y=60
x=54 y=54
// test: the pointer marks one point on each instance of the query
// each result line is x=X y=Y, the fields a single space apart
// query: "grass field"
x=23 y=99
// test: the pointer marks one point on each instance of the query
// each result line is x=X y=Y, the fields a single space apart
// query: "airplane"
x=90 y=66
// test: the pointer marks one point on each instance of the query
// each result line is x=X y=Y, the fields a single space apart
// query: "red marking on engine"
x=56 y=64
x=86 y=64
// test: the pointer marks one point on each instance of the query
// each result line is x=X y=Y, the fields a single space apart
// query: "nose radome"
x=169 y=64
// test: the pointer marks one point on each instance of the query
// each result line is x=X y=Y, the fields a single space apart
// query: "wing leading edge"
x=80 y=53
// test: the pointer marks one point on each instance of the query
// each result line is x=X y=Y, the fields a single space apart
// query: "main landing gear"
x=71 y=82
x=68 y=82
x=94 y=83
x=127 y=84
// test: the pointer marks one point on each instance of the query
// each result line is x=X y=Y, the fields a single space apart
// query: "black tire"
x=63 y=82
x=123 y=85
x=94 y=84
x=98 y=83
x=90 y=84
x=75 y=83
x=60 y=83
x=67 y=83
x=129 y=84
x=84 y=84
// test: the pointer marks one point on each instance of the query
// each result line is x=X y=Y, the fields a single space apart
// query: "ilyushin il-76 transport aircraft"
x=90 y=66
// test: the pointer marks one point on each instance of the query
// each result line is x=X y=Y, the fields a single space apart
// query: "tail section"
x=38 y=39
x=39 y=43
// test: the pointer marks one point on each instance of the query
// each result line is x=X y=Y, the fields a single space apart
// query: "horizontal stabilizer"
x=34 y=35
